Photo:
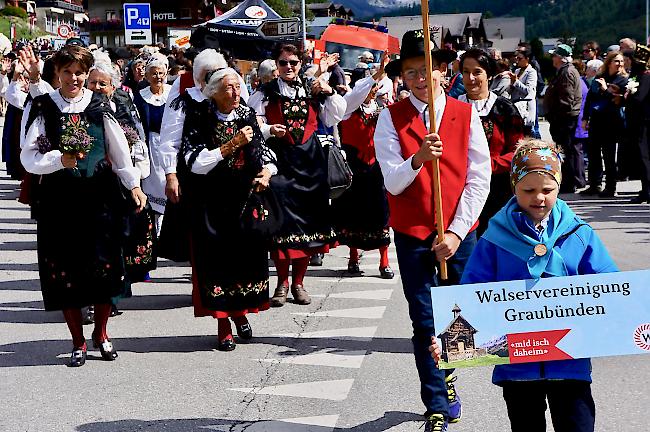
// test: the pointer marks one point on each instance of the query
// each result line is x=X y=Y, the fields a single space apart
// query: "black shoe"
x=607 y=193
x=77 y=358
x=353 y=267
x=640 y=199
x=106 y=349
x=568 y=189
x=591 y=190
x=316 y=260
x=227 y=345
x=244 y=331
x=115 y=311
x=386 y=272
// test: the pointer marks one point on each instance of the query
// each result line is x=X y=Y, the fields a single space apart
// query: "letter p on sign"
x=132 y=16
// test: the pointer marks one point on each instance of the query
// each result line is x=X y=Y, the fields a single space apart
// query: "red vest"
x=187 y=81
x=357 y=134
x=412 y=211
x=274 y=116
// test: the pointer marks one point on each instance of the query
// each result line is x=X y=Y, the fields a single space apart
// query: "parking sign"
x=137 y=23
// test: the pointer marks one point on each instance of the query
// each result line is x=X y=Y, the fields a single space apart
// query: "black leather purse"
x=339 y=174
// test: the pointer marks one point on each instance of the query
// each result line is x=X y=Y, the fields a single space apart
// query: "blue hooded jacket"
x=579 y=247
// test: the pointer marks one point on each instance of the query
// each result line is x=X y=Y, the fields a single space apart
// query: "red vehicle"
x=350 y=39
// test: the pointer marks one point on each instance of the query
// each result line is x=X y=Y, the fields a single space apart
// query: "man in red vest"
x=405 y=149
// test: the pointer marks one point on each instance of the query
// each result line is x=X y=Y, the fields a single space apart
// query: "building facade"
x=51 y=15
x=106 y=25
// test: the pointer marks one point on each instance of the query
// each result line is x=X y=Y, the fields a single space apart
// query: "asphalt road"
x=343 y=363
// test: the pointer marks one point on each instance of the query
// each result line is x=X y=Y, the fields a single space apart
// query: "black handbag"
x=339 y=174
x=261 y=217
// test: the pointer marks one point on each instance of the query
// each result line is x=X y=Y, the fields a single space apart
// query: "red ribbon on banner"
x=536 y=346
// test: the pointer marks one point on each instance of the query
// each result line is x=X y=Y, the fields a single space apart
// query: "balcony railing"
x=65 y=5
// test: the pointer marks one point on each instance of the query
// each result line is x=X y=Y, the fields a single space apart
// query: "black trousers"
x=570 y=402
x=563 y=130
x=644 y=150
x=604 y=135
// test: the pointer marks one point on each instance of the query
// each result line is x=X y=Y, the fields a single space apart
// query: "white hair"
x=157 y=60
x=108 y=69
x=207 y=60
x=215 y=81
x=594 y=64
x=265 y=70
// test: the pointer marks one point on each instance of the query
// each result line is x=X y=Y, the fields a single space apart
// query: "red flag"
x=536 y=346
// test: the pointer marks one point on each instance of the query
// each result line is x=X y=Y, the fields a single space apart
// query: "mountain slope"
x=603 y=20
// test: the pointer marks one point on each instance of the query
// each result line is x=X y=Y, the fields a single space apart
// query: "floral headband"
x=535 y=159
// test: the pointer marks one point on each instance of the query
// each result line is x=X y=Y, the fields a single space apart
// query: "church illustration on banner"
x=458 y=342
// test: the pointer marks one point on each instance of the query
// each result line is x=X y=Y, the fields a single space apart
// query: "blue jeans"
x=418 y=269
x=535 y=134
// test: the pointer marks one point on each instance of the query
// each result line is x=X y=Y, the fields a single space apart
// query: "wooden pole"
x=437 y=195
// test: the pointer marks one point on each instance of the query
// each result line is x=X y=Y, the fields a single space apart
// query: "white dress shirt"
x=399 y=174
x=118 y=149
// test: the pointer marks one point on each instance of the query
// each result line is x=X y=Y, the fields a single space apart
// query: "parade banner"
x=606 y=314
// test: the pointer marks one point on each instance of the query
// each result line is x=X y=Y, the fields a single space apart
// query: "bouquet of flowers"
x=78 y=143
x=75 y=139
x=632 y=86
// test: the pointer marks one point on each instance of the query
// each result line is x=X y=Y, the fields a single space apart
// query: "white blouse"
x=357 y=97
x=331 y=112
x=171 y=131
x=482 y=106
x=208 y=159
x=118 y=149
x=156 y=100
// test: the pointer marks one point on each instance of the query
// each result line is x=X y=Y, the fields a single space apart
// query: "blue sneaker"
x=455 y=407
x=435 y=423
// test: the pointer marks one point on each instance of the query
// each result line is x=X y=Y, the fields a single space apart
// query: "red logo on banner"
x=536 y=346
x=642 y=337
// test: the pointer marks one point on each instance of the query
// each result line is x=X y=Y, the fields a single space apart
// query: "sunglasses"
x=288 y=62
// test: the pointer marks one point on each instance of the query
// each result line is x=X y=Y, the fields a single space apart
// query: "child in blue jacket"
x=510 y=249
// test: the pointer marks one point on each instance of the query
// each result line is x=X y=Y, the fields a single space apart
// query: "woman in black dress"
x=222 y=162
x=71 y=136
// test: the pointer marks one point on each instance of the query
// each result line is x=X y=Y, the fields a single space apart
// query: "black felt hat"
x=413 y=46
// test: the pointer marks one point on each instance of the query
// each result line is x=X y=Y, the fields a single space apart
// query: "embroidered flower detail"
x=44 y=144
x=132 y=136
